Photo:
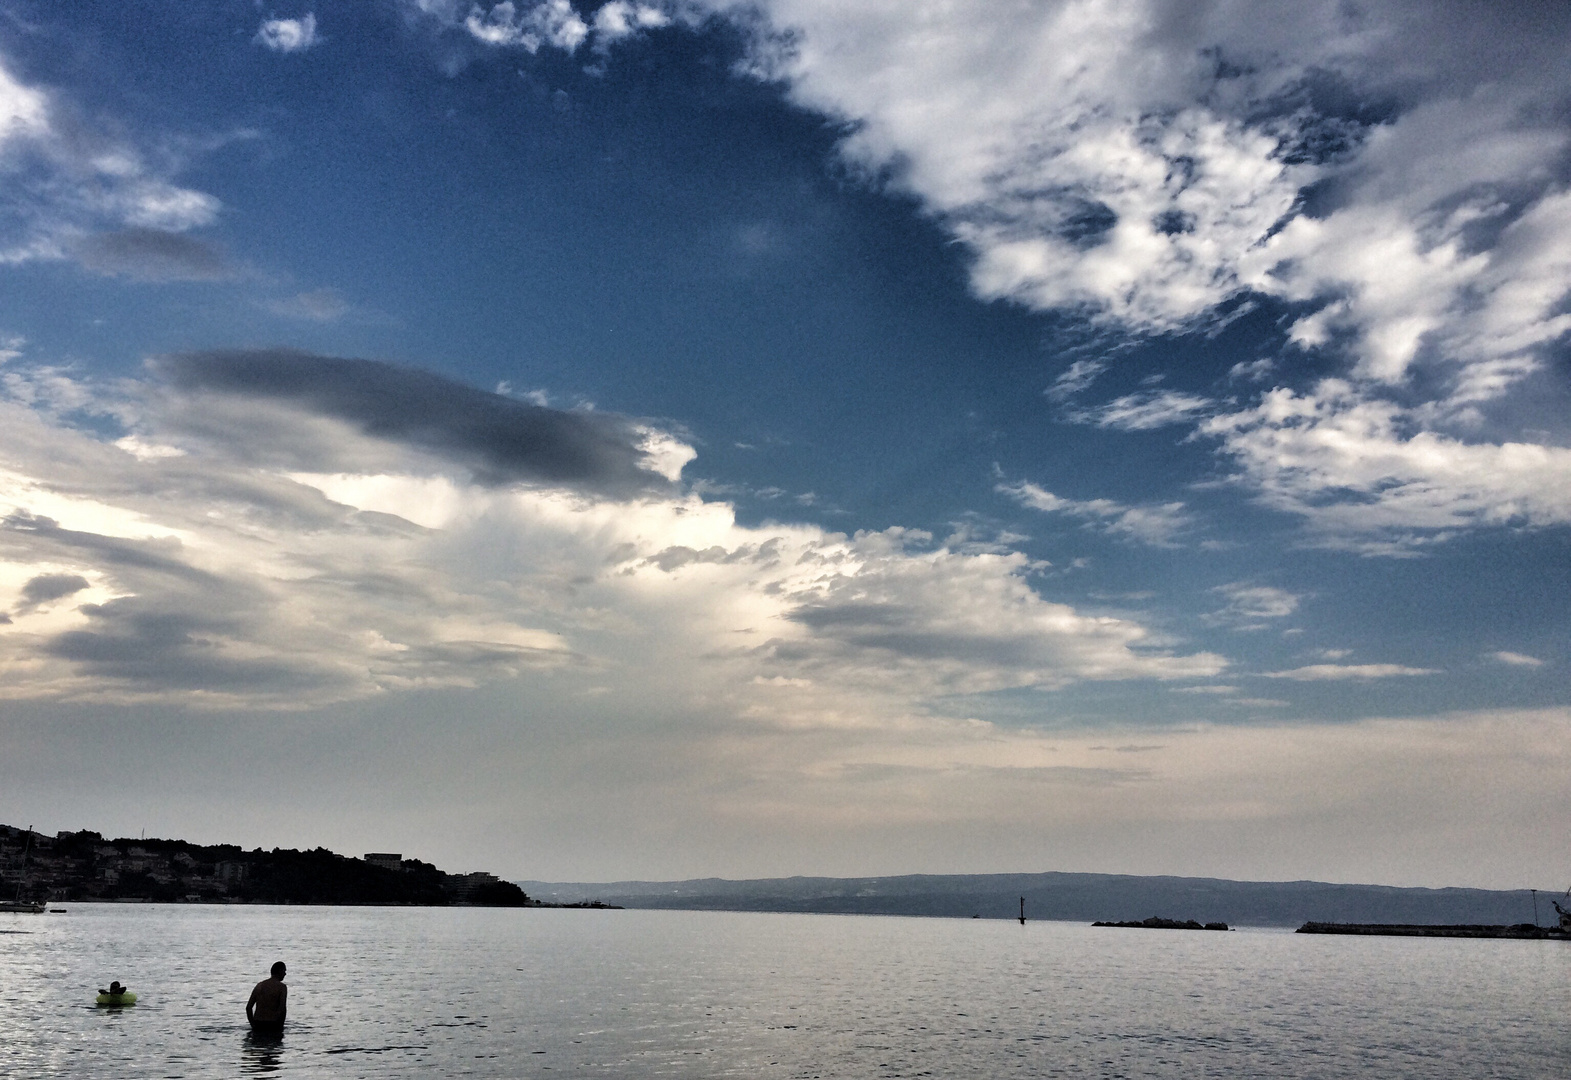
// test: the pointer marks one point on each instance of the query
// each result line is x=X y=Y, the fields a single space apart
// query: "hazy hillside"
x=1068 y=896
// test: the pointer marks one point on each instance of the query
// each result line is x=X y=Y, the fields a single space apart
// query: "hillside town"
x=39 y=869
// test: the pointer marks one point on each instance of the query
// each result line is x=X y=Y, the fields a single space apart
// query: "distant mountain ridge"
x=1069 y=896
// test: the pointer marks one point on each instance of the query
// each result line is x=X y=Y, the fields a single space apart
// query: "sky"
x=685 y=438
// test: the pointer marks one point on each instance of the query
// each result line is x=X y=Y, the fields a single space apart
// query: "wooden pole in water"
x=1535 y=906
x=1022 y=911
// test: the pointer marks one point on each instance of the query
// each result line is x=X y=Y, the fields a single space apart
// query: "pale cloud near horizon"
x=257 y=540
x=1516 y=659
x=1388 y=800
x=1350 y=802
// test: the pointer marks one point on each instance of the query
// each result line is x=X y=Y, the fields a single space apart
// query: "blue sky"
x=701 y=438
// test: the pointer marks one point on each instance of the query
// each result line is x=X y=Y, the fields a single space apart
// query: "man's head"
x=279 y=969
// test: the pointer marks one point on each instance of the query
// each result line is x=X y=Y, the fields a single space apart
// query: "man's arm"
x=250 y=1006
x=283 y=1003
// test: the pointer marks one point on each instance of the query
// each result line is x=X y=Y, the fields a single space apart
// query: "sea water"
x=387 y=992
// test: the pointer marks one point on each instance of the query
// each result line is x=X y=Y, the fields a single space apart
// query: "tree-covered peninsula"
x=87 y=866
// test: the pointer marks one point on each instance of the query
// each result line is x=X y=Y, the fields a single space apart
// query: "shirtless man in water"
x=269 y=1002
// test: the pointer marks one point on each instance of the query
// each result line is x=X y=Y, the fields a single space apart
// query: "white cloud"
x=1516 y=659
x=1157 y=524
x=1383 y=169
x=1065 y=143
x=1364 y=477
x=64 y=184
x=1403 y=268
x=1145 y=159
x=1254 y=370
x=1248 y=606
x=620 y=19
x=1075 y=378
x=24 y=111
x=1335 y=672
x=664 y=453
x=1146 y=411
x=552 y=22
x=289 y=35
x=1153 y=162
x=228 y=577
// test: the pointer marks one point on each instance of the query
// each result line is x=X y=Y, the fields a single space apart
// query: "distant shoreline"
x=1071 y=897
x=75 y=867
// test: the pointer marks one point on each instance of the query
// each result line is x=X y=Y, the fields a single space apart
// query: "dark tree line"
x=84 y=865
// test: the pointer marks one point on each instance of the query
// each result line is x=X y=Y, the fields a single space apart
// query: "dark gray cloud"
x=148 y=646
x=183 y=630
x=47 y=587
x=499 y=439
x=153 y=255
x=903 y=631
x=159 y=557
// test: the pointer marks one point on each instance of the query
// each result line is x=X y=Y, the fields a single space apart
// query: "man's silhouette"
x=269 y=1003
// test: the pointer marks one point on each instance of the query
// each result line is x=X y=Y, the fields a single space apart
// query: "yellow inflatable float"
x=116 y=995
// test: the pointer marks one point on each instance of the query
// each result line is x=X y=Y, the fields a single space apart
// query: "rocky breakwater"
x=1156 y=922
x=1525 y=931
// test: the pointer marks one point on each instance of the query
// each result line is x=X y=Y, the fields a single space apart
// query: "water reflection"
x=261 y=1052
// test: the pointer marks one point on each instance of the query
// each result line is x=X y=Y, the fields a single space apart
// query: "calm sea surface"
x=506 y=993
